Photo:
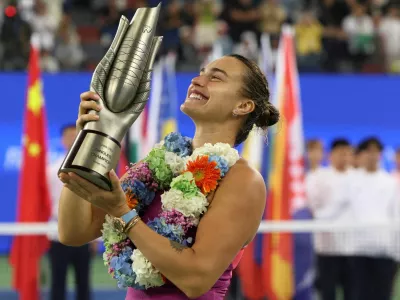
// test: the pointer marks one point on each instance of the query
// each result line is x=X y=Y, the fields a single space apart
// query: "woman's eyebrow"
x=216 y=70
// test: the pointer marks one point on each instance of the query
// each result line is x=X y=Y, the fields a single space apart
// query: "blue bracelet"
x=129 y=216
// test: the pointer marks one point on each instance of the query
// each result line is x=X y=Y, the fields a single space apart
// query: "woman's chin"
x=192 y=106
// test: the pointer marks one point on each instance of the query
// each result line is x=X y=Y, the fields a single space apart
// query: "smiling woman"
x=160 y=218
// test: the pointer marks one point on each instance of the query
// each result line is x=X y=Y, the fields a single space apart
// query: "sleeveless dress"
x=170 y=292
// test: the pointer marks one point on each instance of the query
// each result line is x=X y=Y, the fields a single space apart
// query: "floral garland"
x=187 y=178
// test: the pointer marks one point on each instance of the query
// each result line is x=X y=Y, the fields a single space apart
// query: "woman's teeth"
x=196 y=96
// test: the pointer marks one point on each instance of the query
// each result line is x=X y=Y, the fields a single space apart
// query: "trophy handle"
x=143 y=91
x=100 y=74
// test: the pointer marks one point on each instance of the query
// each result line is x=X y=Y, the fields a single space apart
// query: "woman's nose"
x=200 y=80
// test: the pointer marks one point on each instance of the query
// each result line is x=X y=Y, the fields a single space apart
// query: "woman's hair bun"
x=269 y=116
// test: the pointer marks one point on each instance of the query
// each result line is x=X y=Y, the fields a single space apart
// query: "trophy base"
x=92 y=156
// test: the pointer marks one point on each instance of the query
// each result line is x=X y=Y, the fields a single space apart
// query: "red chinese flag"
x=33 y=197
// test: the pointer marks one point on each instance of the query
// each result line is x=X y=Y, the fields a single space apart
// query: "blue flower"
x=172 y=232
x=221 y=163
x=122 y=263
x=180 y=145
x=142 y=193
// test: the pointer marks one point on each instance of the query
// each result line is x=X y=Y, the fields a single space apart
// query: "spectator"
x=389 y=30
x=331 y=14
x=189 y=13
x=309 y=42
x=109 y=21
x=207 y=12
x=188 y=59
x=359 y=29
x=68 y=50
x=273 y=15
x=241 y=16
x=44 y=27
x=15 y=35
x=248 y=46
x=170 y=22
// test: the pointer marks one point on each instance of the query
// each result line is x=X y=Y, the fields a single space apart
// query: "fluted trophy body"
x=122 y=80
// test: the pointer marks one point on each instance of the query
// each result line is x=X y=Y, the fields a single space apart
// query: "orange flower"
x=131 y=200
x=205 y=173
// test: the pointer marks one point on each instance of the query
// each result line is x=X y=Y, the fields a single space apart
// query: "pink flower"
x=177 y=218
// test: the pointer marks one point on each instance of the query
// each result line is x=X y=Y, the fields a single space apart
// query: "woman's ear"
x=244 y=108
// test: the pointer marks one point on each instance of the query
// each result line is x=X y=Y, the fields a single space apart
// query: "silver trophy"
x=122 y=80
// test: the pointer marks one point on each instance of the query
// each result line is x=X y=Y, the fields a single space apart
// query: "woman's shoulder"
x=244 y=175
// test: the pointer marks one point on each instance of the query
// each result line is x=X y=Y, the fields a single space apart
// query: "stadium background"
x=346 y=105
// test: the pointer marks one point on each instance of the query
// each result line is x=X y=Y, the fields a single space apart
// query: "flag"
x=147 y=133
x=169 y=98
x=33 y=197
x=256 y=151
x=286 y=187
x=249 y=268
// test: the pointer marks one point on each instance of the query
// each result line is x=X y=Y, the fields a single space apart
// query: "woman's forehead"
x=231 y=66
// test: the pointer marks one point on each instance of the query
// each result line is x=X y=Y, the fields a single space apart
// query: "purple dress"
x=168 y=291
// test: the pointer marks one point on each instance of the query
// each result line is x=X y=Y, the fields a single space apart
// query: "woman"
x=225 y=100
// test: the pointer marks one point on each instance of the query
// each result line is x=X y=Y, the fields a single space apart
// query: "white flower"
x=146 y=274
x=109 y=232
x=175 y=162
x=189 y=207
x=223 y=150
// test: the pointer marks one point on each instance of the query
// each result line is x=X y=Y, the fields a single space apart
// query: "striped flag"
x=256 y=151
x=33 y=195
x=249 y=268
x=169 y=98
x=286 y=188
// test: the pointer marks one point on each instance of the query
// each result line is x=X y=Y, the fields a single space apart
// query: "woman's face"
x=215 y=93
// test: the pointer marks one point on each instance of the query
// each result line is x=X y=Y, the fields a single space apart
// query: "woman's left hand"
x=112 y=202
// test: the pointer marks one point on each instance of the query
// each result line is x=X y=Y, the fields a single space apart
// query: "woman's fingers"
x=89 y=101
x=83 y=119
x=89 y=105
x=89 y=95
x=77 y=190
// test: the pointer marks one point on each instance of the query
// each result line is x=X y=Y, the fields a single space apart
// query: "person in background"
x=396 y=171
x=358 y=159
x=309 y=33
x=315 y=154
x=61 y=256
x=327 y=195
x=359 y=28
x=375 y=199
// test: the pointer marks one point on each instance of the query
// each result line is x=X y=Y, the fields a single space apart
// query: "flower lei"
x=187 y=178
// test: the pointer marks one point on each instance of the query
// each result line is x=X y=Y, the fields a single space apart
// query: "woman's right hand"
x=89 y=101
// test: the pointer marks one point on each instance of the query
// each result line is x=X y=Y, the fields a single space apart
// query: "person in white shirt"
x=327 y=190
x=389 y=29
x=359 y=29
x=396 y=171
x=61 y=256
x=315 y=154
x=375 y=198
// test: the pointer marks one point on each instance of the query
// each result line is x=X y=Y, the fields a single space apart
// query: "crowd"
x=354 y=189
x=331 y=35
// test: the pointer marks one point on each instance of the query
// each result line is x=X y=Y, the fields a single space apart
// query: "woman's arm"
x=231 y=221
x=79 y=222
